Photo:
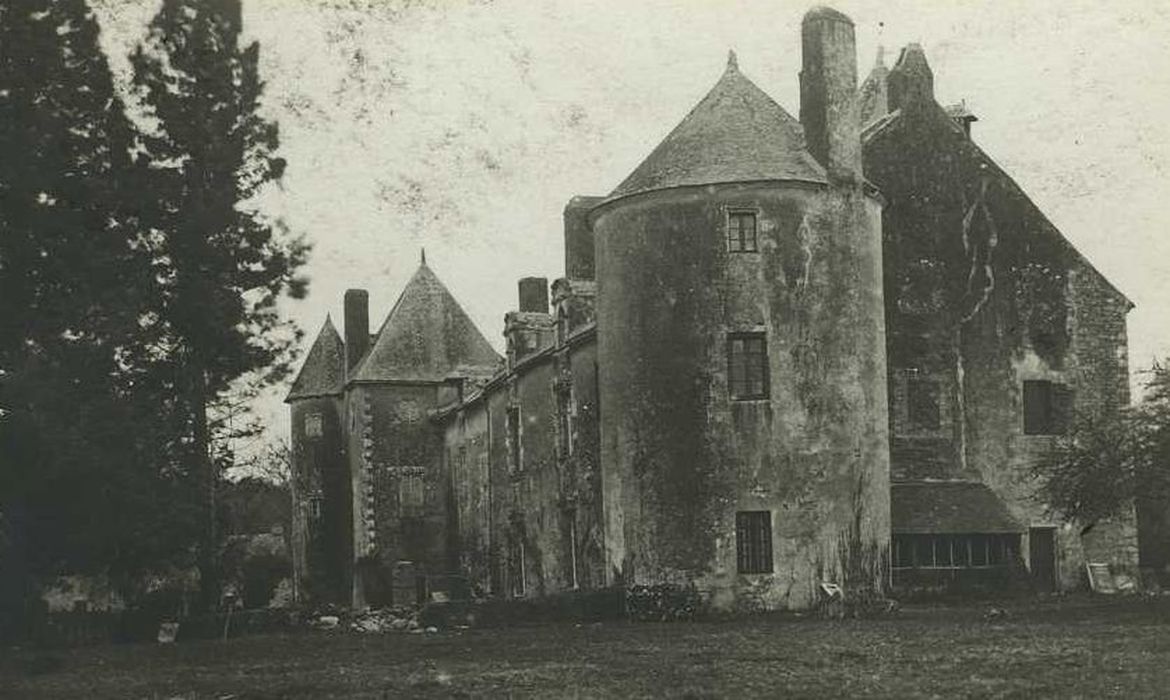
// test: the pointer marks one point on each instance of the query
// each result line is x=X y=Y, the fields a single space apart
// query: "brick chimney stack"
x=828 y=92
x=357 y=326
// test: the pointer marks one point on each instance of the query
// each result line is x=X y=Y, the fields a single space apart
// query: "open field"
x=1079 y=648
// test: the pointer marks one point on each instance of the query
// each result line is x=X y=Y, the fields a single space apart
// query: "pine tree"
x=79 y=490
x=222 y=265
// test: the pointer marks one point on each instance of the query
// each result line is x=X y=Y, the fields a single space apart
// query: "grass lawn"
x=1080 y=648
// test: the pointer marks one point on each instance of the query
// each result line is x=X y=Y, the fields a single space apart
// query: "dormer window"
x=741 y=232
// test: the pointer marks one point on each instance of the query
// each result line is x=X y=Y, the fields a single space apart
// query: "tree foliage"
x=1107 y=462
x=77 y=424
x=138 y=289
x=220 y=265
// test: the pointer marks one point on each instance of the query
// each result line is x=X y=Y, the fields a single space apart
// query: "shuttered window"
x=1047 y=408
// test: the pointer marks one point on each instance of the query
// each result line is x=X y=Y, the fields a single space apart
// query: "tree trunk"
x=209 y=578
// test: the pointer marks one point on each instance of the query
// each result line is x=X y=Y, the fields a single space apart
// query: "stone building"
x=785 y=352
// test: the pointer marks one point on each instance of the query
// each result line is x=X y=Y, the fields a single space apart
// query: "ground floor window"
x=517 y=567
x=955 y=551
x=753 y=541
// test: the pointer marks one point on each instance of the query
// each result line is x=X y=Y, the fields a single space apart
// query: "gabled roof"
x=948 y=507
x=425 y=337
x=734 y=134
x=323 y=372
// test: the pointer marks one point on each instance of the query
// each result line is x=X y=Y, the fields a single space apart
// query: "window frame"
x=740 y=243
x=916 y=383
x=564 y=408
x=739 y=389
x=314 y=425
x=753 y=542
x=515 y=437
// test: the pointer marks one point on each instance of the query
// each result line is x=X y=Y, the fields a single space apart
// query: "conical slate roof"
x=425 y=337
x=324 y=368
x=735 y=134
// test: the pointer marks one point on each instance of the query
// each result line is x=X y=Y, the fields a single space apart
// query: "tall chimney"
x=357 y=326
x=534 y=294
x=828 y=92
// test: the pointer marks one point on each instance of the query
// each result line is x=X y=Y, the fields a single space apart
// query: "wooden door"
x=1042 y=557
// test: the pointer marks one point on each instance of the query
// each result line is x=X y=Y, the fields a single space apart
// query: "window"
x=571 y=517
x=967 y=551
x=741 y=232
x=565 y=420
x=562 y=325
x=411 y=494
x=514 y=457
x=753 y=541
x=315 y=507
x=1047 y=406
x=517 y=566
x=922 y=409
x=747 y=366
x=313 y=425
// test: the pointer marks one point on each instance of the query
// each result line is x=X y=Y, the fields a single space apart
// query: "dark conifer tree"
x=79 y=430
x=222 y=266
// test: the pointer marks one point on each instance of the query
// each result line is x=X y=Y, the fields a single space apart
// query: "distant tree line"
x=138 y=287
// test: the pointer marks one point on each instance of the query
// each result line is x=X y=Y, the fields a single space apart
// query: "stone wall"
x=679 y=458
x=983 y=294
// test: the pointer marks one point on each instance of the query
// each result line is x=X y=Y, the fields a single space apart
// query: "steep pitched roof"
x=426 y=335
x=324 y=368
x=948 y=507
x=734 y=134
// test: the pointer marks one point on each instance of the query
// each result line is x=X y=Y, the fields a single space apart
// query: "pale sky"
x=465 y=126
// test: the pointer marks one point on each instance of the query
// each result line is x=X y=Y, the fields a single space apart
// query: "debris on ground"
x=399 y=618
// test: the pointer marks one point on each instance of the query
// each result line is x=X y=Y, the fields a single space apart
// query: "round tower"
x=741 y=346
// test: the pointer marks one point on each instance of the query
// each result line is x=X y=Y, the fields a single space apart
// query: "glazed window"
x=922 y=404
x=957 y=551
x=313 y=425
x=411 y=495
x=753 y=541
x=565 y=420
x=741 y=232
x=1047 y=406
x=517 y=566
x=315 y=507
x=747 y=366
x=562 y=326
x=513 y=427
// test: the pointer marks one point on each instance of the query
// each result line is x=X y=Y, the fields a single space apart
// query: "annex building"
x=785 y=351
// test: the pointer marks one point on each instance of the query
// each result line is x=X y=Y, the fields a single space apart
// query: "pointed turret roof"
x=873 y=98
x=323 y=372
x=426 y=336
x=734 y=134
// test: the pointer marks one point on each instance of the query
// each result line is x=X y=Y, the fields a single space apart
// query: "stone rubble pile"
x=393 y=619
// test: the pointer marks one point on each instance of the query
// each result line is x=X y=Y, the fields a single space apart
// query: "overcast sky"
x=465 y=126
